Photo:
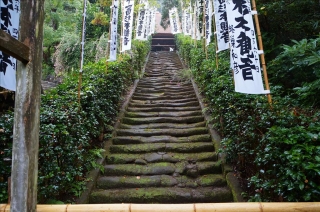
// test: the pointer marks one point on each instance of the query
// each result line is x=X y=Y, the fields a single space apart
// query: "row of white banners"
x=10 y=14
x=234 y=30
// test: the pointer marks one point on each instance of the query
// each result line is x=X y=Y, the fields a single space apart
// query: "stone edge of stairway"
x=232 y=181
x=93 y=175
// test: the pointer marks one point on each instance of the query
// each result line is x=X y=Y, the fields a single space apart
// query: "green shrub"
x=72 y=134
x=274 y=150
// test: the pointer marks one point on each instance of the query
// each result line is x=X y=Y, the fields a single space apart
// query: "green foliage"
x=301 y=64
x=72 y=134
x=273 y=150
x=139 y=52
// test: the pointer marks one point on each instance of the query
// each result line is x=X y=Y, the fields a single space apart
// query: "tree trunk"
x=27 y=110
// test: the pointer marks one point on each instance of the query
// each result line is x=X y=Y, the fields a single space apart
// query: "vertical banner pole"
x=82 y=47
x=264 y=67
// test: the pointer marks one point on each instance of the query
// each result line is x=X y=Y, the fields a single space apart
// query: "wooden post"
x=263 y=62
x=27 y=110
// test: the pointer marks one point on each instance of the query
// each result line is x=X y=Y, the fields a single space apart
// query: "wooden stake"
x=264 y=67
x=25 y=147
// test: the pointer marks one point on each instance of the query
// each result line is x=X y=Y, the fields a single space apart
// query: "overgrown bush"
x=272 y=148
x=72 y=134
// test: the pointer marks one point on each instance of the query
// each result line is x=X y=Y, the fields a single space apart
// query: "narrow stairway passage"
x=162 y=152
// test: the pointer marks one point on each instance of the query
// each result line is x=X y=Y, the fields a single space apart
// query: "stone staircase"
x=162 y=152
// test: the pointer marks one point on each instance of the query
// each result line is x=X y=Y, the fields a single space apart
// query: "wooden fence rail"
x=201 y=207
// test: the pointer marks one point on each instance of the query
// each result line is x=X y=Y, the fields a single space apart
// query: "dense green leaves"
x=274 y=150
x=72 y=134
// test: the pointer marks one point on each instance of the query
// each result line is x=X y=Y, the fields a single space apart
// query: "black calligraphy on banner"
x=200 y=15
x=244 y=51
x=208 y=20
x=114 y=31
x=10 y=13
x=140 y=25
x=221 y=23
x=127 y=24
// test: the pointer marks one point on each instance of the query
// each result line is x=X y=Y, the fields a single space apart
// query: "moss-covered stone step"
x=163 y=126
x=160 y=157
x=166 y=92
x=164 y=103
x=163 y=114
x=187 y=90
x=163 y=147
x=168 y=87
x=167 y=132
x=119 y=140
x=164 y=97
x=186 y=120
x=162 y=109
x=162 y=195
x=180 y=168
x=107 y=182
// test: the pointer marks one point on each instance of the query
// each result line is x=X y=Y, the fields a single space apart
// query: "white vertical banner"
x=200 y=16
x=10 y=15
x=141 y=24
x=153 y=20
x=83 y=34
x=174 y=21
x=114 y=31
x=198 y=22
x=146 y=21
x=194 y=27
x=221 y=22
x=127 y=21
x=208 y=21
x=244 y=52
x=188 y=21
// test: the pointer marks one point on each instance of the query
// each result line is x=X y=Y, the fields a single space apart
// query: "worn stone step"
x=163 y=147
x=107 y=182
x=167 y=132
x=164 y=90
x=162 y=168
x=121 y=140
x=165 y=97
x=164 y=103
x=163 y=114
x=168 y=87
x=146 y=93
x=162 y=126
x=162 y=195
x=160 y=157
x=162 y=109
x=181 y=120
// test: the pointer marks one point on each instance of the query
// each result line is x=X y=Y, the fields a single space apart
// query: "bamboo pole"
x=264 y=67
x=199 y=207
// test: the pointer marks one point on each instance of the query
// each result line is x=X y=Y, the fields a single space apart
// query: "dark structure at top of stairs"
x=163 y=42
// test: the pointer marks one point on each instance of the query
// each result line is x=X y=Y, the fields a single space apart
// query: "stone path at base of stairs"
x=162 y=152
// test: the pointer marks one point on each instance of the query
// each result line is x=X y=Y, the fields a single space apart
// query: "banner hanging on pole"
x=141 y=24
x=221 y=22
x=208 y=21
x=10 y=15
x=83 y=34
x=174 y=20
x=114 y=31
x=244 y=52
x=127 y=21
x=153 y=20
